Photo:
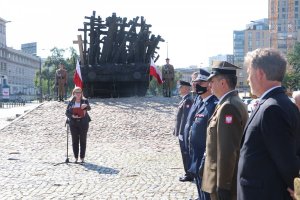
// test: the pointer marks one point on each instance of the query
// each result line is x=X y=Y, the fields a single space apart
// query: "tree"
x=70 y=66
x=292 y=81
x=293 y=58
x=51 y=65
x=292 y=77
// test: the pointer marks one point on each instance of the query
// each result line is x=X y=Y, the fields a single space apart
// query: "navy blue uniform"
x=190 y=119
x=189 y=122
x=198 y=140
x=181 y=117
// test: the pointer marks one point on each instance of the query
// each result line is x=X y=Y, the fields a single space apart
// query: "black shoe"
x=186 y=178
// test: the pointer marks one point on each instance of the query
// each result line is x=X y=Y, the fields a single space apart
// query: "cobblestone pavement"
x=7 y=115
x=131 y=153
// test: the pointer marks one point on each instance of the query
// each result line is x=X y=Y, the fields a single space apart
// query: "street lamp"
x=41 y=91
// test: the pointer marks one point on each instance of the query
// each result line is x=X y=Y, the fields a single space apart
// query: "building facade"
x=256 y=35
x=30 y=48
x=186 y=73
x=284 y=23
x=17 y=69
x=221 y=57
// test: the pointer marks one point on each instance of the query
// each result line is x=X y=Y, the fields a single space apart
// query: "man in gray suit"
x=268 y=160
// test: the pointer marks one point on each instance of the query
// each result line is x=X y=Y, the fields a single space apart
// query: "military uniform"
x=61 y=82
x=198 y=139
x=168 y=78
x=181 y=117
x=189 y=122
x=224 y=133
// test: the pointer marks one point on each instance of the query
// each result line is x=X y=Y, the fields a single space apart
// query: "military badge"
x=228 y=119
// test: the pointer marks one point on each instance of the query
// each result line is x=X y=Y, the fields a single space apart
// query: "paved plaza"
x=131 y=153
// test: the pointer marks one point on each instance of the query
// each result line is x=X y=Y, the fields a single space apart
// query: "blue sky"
x=194 y=29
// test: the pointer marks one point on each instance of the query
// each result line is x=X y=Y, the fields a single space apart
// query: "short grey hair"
x=269 y=60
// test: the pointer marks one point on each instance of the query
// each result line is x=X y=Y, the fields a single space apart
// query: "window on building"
x=257 y=43
x=257 y=36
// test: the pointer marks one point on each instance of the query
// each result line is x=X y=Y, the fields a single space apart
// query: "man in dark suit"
x=268 y=162
x=181 y=117
x=224 y=133
x=198 y=129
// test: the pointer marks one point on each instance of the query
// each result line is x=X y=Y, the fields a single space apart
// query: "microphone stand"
x=67 y=124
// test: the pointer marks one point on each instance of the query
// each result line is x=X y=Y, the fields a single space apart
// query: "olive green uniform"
x=61 y=82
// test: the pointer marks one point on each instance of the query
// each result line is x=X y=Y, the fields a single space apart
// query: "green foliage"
x=292 y=78
x=49 y=68
x=293 y=58
x=292 y=81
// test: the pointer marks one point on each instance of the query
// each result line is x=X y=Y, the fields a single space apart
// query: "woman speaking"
x=79 y=122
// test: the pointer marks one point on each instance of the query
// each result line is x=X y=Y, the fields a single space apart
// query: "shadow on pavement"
x=100 y=169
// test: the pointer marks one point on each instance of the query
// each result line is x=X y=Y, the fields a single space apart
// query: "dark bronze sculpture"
x=115 y=56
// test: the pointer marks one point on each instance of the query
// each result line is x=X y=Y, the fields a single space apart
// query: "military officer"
x=224 y=133
x=182 y=113
x=199 y=126
x=168 y=78
x=190 y=119
x=61 y=81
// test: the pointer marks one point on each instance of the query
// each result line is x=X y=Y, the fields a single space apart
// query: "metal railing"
x=11 y=104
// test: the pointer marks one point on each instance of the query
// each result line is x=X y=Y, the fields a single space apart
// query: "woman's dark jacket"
x=69 y=112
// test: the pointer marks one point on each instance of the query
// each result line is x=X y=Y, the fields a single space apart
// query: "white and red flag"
x=77 y=79
x=154 y=71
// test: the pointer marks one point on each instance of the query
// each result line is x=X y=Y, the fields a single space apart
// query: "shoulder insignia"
x=228 y=119
x=199 y=115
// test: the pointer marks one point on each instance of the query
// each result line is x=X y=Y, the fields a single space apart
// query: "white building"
x=221 y=57
x=17 y=67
